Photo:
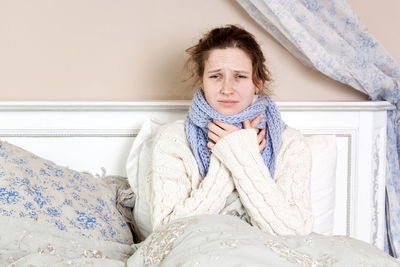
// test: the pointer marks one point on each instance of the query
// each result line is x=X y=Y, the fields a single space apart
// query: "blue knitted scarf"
x=200 y=114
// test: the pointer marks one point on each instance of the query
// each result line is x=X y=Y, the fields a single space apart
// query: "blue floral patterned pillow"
x=35 y=189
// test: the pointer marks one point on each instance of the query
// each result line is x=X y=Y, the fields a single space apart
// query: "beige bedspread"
x=208 y=240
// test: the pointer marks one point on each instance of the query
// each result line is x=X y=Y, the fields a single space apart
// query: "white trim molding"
x=182 y=105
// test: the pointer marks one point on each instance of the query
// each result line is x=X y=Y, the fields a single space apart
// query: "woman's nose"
x=227 y=87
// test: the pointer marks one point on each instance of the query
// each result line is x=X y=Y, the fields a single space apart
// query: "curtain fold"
x=327 y=36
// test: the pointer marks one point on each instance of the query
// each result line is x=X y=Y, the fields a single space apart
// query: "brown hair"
x=230 y=36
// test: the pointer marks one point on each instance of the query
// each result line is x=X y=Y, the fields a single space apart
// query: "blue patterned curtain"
x=327 y=36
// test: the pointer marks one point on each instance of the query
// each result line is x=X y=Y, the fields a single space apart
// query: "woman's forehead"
x=233 y=58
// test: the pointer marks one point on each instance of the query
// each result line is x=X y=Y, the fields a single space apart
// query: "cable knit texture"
x=280 y=206
x=201 y=113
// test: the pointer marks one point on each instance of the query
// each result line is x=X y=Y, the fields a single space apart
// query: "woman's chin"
x=228 y=111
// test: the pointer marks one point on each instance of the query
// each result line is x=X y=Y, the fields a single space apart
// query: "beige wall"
x=134 y=50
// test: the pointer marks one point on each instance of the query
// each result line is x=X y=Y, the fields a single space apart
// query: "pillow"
x=38 y=190
x=323 y=181
x=323 y=178
x=137 y=166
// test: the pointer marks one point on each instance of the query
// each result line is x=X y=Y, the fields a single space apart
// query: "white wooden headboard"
x=89 y=136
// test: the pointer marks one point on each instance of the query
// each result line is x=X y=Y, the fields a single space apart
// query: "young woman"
x=233 y=154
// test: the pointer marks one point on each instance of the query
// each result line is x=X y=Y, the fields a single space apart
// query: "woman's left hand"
x=218 y=130
x=262 y=142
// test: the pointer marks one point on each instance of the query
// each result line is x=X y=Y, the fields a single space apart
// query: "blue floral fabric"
x=35 y=189
x=328 y=36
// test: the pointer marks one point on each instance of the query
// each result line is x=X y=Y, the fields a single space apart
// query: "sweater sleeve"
x=280 y=206
x=176 y=187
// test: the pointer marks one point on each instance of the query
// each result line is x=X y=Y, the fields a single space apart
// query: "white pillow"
x=323 y=181
x=140 y=155
x=323 y=175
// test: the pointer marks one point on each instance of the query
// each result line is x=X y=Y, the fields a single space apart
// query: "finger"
x=226 y=126
x=246 y=124
x=216 y=129
x=263 y=144
x=210 y=145
x=256 y=121
x=261 y=133
x=261 y=136
x=213 y=136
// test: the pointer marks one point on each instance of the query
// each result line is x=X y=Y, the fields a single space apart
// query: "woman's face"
x=227 y=81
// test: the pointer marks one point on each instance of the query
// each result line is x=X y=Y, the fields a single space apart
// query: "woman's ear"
x=258 y=86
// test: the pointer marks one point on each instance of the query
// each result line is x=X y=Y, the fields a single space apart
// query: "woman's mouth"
x=227 y=102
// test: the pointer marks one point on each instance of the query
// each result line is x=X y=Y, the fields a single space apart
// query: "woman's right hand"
x=262 y=142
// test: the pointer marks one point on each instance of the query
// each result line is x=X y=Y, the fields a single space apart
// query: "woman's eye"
x=241 y=76
x=214 y=76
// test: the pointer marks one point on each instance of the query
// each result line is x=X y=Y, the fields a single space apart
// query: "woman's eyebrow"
x=236 y=71
x=211 y=71
x=241 y=71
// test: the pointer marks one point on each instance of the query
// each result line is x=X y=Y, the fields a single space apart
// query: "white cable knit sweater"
x=281 y=206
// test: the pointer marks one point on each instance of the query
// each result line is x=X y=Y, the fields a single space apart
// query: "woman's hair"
x=230 y=36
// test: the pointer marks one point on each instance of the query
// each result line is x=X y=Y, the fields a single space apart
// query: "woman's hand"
x=262 y=142
x=218 y=130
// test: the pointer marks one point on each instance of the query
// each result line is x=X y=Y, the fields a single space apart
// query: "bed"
x=96 y=137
